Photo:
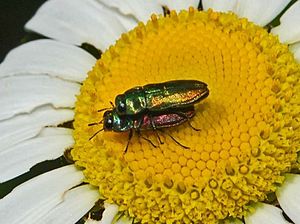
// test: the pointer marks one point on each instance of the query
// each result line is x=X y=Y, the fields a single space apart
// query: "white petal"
x=22 y=94
x=109 y=213
x=35 y=198
x=91 y=221
x=122 y=12
x=295 y=48
x=123 y=6
x=48 y=57
x=128 y=22
x=20 y=158
x=50 y=131
x=76 y=22
x=179 y=4
x=220 y=5
x=141 y=10
x=22 y=127
x=288 y=196
x=260 y=12
x=289 y=29
x=75 y=204
x=265 y=213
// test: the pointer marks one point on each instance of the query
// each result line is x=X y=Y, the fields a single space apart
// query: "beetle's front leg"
x=138 y=131
x=129 y=138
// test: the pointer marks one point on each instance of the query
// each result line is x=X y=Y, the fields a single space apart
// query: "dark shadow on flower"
x=200 y=6
x=91 y=49
x=275 y=21
x=40 y=168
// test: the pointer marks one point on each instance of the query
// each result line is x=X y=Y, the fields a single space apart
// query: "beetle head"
x=121 y=104
x=108 y=120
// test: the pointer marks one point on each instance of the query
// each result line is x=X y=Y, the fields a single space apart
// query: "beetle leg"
x=95 y=134
x=155 y=131
x=139 y=133
x=188 y=120
x=146 y=139
x=177 y=142
x=129 y=138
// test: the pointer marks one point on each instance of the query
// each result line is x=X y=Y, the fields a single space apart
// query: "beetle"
x=112 y=121
x=161 y=96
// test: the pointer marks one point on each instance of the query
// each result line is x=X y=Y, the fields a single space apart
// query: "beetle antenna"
x=95 y=123
x=107 y=108
x=96 y=134
x=177 y=142
x=103 y=109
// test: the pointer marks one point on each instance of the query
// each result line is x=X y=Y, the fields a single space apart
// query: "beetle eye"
x=121 y=107
x=108 y=121
x=120 y=104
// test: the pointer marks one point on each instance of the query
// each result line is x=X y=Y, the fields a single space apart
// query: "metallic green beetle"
x=144 y=122
x=161 y=96
x=118 y=123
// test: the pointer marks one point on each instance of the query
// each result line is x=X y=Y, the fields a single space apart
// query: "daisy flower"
x=241 y=167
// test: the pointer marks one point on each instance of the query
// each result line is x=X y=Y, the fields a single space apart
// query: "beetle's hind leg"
x=146 y=139
x=188 y=120
x=195 y=129
x=174 y=139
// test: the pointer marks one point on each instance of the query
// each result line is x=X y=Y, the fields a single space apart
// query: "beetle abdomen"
x=174 y=94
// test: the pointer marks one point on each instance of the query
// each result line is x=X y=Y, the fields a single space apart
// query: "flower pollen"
x=249 y=123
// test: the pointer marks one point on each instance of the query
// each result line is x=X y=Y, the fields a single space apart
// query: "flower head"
x=246 y=143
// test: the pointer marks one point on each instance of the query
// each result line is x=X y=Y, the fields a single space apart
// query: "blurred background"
x=13 y=16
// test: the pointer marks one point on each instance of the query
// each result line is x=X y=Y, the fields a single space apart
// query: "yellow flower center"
x=249 y=123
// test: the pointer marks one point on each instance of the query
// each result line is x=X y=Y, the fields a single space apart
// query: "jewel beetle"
x=161 y=96
x=155 y=121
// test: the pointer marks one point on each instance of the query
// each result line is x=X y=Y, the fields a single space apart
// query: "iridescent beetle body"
x=114 y=122
x=154 y=107
x=161 y=96
x=155 y=121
